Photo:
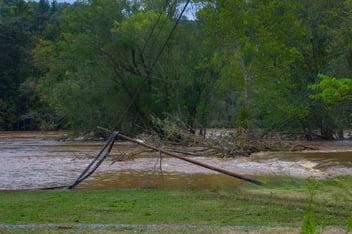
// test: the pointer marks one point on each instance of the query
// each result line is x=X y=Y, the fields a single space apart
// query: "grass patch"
x=280 y=202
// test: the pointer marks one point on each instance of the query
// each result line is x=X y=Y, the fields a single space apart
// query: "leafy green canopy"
x=332 y=90
x=117 y=65
x=336 y=95
x=256 y=48
x=120 y=64
x=75 y=78
x=15 y=24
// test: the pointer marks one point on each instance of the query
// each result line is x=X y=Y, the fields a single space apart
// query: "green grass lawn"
x=280 y=202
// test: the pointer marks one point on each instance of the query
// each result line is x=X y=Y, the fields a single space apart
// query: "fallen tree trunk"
x=300 y=147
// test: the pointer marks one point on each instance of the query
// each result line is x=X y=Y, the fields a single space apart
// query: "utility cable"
x=170 y=34
x=93 y=166
x=155 y=24
x=133 y=99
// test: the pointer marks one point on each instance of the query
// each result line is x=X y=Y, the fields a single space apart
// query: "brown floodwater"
x=32 y=160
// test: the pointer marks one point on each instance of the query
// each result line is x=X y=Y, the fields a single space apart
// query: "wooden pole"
x=192 y=161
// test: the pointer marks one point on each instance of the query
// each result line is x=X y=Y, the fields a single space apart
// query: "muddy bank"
x=38 y=159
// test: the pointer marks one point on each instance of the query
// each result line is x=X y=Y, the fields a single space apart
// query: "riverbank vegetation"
x=127 y=65
x=278 y=204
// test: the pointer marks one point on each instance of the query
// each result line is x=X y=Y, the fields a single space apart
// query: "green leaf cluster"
x=333 y=90
x=116 y=64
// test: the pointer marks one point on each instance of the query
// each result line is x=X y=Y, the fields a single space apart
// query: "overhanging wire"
x=159 y=54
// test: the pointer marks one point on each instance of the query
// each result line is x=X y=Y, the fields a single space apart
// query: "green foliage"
x=310 y=225
x=241 y=63
x=114 y=69
x=173 y=129
x=243 y=119
x=21 y=24
x=256 y=47
x=332 y=90
x=76 y=81
x=349 y=225
x=335 y=95
x=15 y=25
x=325 y=51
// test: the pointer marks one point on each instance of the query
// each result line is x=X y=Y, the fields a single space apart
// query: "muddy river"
x=32 y=160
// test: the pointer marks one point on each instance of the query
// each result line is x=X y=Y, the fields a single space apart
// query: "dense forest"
x=136 y=66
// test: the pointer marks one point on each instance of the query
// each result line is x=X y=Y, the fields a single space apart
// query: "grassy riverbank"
x=280 y=202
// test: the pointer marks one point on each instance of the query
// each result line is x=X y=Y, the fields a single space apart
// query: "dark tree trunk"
x=340 y=134
x=327 y=133
x=307 y=131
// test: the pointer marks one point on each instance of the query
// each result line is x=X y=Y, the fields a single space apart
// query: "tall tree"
x=326 y=50
x=75 y=79
x=15 y=35
x=255 y=52
x=118 y=65
x=336 y=95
